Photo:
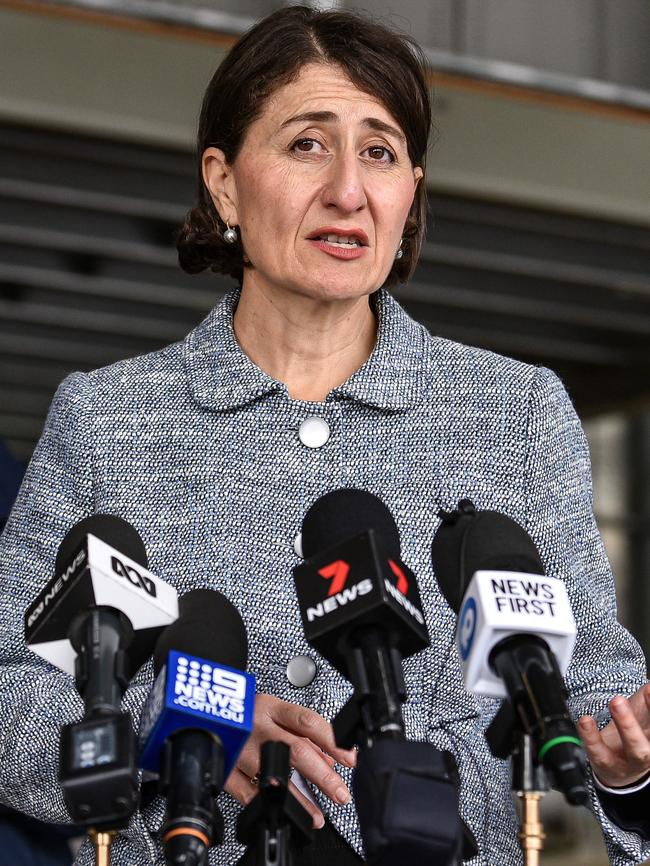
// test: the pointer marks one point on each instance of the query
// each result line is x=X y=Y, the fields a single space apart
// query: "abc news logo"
x=55 y=588
x=133 y=576
x=210 y=689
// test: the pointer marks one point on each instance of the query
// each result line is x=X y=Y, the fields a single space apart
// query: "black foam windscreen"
x=341 y=514
x=208 y=626
x=113 y=530
x=468 y=541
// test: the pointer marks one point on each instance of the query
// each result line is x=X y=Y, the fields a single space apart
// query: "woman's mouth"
x=339 y=248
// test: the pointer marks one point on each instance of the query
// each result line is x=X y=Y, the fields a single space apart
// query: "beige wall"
x=144 y=86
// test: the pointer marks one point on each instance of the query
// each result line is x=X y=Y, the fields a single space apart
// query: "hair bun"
x=200 y=243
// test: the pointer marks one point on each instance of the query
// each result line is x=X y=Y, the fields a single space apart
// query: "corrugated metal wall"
x=88 y=274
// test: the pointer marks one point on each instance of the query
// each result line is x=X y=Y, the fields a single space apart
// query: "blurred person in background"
x=309 y=376
x=11 y=474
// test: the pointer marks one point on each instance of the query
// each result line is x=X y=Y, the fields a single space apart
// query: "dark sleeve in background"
x=28 y=842
x=628 y=811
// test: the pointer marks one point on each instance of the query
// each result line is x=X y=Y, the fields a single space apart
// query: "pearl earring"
x=230 y=235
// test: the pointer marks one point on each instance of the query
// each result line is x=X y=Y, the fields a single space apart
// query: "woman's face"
x=344 y=167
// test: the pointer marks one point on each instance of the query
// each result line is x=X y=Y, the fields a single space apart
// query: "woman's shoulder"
x=494 y=389
x=473 y=368
x=148 y=383
x=162 y=375
x=443 y=362
x=138 y=370
x=150 y=378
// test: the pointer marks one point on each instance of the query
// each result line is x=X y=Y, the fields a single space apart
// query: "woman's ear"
x=220 y=182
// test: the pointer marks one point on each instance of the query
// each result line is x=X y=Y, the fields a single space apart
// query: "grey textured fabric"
x=198 y=448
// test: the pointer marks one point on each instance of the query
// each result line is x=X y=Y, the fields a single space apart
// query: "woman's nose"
x=344 y=186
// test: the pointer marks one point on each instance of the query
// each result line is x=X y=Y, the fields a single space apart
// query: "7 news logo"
x=340 y=595
x=339 y=570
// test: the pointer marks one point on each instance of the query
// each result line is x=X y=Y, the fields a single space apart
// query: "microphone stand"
x=275 y=817
x=506 y=739
x=97 y=768
x=102 y=841
x=530 y=785
x=397 y=779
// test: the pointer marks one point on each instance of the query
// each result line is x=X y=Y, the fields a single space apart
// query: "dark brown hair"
x=377 y=60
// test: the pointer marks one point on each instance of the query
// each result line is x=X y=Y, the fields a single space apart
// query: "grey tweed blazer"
x=199 y=450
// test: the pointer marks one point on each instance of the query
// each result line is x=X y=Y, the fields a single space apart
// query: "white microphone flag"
x=500 y=604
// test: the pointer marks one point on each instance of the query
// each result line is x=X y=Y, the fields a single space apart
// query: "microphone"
x=361 y=609
x=196 y=720
x=98 y=619
x=101 y=562
x=515 y=636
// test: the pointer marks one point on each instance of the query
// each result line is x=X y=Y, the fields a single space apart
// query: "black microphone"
x=197 y=719
x=515 y=624
x=101 y=635
x=101 y=563
x=98 y=619
x=113 y=530
x=361 y=609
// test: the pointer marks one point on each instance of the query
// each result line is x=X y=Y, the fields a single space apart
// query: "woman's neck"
x=311 y=345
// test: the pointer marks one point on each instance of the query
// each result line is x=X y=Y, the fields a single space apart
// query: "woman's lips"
x=338 y=252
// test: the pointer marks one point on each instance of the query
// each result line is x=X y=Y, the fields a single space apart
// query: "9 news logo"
x=210 y=689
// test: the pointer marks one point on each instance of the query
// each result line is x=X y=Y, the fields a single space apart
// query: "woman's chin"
x=319 y=285
x=337 y=292
x=337 y=286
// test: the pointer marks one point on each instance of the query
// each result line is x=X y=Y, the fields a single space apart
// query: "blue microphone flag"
x=196 y=693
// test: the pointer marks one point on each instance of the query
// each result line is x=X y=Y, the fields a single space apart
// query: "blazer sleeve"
x=36 y=698
x=606 y=660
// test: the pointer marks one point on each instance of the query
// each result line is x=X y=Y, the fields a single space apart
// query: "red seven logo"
x=402 y=582
x=337 y=571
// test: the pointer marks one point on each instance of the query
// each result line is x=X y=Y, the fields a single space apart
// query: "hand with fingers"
x=313 y=753
x=620 y=753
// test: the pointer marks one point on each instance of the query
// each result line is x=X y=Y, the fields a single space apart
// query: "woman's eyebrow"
x=329 y=117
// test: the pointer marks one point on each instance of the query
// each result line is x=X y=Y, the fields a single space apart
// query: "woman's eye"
x=385 y=150
x=304 y=141
x=377 y=152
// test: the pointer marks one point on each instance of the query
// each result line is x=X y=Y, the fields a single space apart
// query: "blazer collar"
x=222 y=376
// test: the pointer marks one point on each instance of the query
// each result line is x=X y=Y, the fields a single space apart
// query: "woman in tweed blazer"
x=306 y=378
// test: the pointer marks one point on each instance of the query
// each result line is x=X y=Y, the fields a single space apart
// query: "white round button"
x=297 y=545
x=301 y=671
x=314 y=432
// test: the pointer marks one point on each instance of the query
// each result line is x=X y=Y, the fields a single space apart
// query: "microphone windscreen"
x=208 y=626
x=341 y=514
x=467 y=542
x=113 y=530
